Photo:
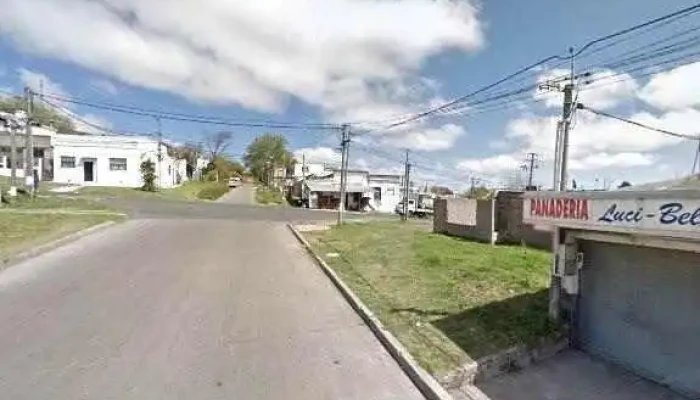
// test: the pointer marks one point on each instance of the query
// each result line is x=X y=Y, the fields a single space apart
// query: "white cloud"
x=605 y=160
x=428 y=139
x=318 y=155
x=39 y=82
x=674 y=89
x=90 y=123
x=613 y=89
x=490 y=165
x=254 y=54
x=104 y=86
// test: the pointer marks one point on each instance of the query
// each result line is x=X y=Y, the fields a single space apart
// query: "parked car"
x=234 y=182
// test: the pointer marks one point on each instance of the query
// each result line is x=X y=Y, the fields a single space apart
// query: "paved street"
x=241 y=195
x=198 y=307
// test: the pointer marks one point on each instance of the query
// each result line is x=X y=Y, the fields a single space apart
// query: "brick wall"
x=510 y=226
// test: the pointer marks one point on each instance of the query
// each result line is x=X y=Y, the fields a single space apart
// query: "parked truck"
x=420 y=205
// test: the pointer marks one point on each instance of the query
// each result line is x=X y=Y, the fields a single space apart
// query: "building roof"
x=688 y=183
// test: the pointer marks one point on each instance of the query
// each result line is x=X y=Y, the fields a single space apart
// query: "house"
x=386 y=192
x=94 y=160
x=41 y=139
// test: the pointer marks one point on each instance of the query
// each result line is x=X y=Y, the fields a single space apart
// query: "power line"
x=190 y=118
x=660 y=20
x=639 y=124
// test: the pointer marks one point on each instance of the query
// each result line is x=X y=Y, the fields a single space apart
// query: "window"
x=117 y=164
x=377 y=193
x=2 y=161
x=67 y=162
x=390 y=191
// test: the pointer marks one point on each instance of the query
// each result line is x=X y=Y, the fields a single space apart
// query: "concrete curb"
x=427 y=385
x=44 y=248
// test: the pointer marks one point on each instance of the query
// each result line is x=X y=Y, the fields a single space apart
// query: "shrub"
x=148 y=175
x=213 y=191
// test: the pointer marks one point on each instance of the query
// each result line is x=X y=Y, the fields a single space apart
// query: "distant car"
x=234 y=182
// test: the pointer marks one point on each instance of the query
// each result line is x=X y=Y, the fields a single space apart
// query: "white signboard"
x=656 y=214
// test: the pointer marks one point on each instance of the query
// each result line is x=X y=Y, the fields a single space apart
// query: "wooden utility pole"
x=531 y=166
x=406 y=187
x=345 y=147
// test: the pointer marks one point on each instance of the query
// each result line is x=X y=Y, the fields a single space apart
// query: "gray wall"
x=640 y=307
x=510 y=225
x=499 y=220
x=468 y=218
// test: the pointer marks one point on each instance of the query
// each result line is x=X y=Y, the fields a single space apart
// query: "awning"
x=331 y=186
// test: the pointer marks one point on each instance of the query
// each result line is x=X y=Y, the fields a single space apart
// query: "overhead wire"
x=639 y=124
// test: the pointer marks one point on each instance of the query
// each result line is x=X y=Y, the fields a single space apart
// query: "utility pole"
x=345 y=147
x=406 y=187
x=530 y=167
x=160 y=152
x=473 y=186
x=696 y=161
x=28 y=142
x=566 y=126
x=13 y=158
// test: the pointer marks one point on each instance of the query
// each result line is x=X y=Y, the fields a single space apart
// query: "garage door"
x=640 y=308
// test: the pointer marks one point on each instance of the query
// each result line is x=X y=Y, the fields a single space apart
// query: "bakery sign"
x=662 y=214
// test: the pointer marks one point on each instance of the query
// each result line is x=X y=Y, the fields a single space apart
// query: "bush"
x=148 y=175
x=213 y=191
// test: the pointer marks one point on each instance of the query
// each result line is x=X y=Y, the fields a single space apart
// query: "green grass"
x=213 y=192
x=188 y=191
x=441 y=295
x=264 y=195
x=23 y=231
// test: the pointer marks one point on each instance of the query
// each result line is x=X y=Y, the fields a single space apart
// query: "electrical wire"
x=639 y=124
x=173 y=116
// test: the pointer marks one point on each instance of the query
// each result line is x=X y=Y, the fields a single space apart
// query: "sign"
x=607 y=213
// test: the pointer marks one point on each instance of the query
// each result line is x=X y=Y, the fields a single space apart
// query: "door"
x=639 y=308
x=88 y=171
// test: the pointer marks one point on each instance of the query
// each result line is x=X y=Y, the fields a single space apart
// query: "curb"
x=44 y=248
x=425 y=382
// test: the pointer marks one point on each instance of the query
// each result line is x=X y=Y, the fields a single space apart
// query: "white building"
x=93 y=160
x=386 y=192
x=364 y=191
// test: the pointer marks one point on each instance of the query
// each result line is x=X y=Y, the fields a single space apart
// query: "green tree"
x=42 y=114
x=188 y=152
x=479 y=193
x=148 y=175
x=223 y=168
x=265 y=153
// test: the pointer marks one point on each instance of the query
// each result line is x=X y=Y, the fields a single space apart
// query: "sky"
x=370 y=63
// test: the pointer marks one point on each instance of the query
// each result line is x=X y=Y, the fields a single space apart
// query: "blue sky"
x=345 y=60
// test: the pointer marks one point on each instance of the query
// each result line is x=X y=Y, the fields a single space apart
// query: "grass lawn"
x=187 y=191
x=22 y=231
x=427 y=288
x=264 y=195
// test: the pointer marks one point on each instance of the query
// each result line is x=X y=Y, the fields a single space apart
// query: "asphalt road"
x=206 y=301
x=242 y=195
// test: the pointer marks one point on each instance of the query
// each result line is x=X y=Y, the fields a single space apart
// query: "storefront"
x=627 y=278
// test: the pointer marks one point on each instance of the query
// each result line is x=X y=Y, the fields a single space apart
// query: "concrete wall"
x=468 y=218
x=498 y=220
x=391 y=193
x=510 y=226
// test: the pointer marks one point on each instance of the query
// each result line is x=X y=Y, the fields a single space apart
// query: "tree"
x=479 y=193
x=441 y=190
x=42 y=115
x=189 y=153
x=265 y=153
x=148 y=175
x=223 y=168
x=217 y=143
x=624 y=184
